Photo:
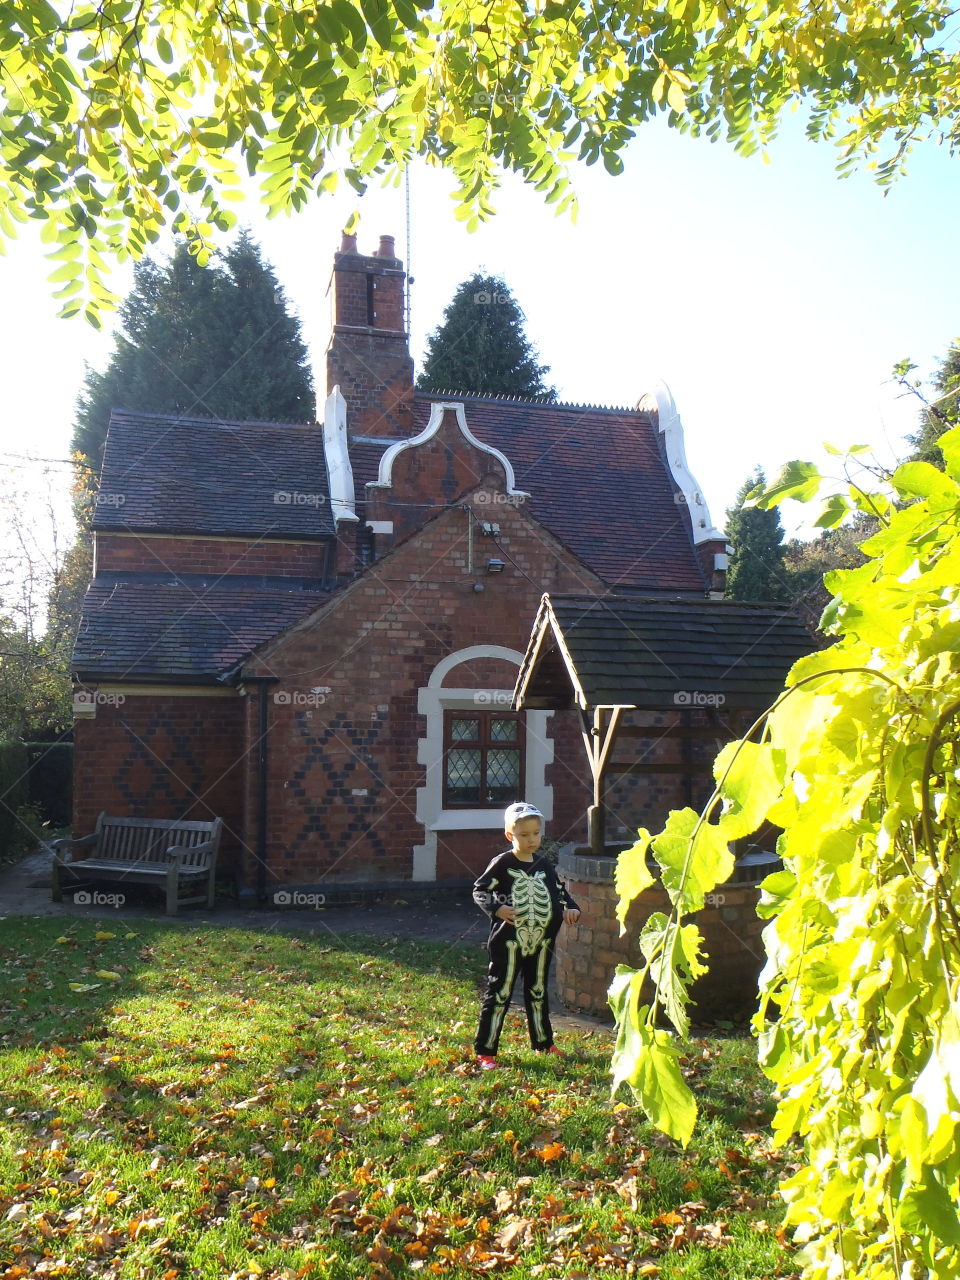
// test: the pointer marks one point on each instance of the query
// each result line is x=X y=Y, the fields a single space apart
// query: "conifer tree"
x=757 y=565
x=209 y=341
x=481 y=347
x=942 y=412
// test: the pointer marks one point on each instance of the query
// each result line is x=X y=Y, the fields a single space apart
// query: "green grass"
x=243 y=1103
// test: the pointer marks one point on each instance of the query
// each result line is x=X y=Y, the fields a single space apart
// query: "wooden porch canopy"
x=605 y=655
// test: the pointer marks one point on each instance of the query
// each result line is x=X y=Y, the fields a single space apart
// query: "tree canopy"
x=118 y=117
x=203 y=340
x=757 y=566
x=481 y=346
x=939 y=413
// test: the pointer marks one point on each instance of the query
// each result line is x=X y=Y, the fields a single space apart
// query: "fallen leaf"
x=508 y=1236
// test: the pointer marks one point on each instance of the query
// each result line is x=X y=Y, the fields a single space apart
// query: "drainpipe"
x=262 y=683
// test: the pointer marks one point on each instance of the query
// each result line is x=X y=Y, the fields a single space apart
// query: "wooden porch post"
x=598 y=742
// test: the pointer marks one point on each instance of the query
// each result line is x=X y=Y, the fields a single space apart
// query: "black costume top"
x=535 y=893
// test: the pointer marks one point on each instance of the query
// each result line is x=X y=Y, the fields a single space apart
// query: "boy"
x=526 y=904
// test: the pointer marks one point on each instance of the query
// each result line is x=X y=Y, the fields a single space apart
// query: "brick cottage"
x=314 y=631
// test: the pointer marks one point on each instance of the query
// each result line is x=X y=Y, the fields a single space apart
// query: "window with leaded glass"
x=483 y=759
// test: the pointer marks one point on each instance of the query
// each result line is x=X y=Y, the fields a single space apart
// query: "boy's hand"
x=571 y=915
x=507 y=913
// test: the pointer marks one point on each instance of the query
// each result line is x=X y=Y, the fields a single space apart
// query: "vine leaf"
x=646 y=1059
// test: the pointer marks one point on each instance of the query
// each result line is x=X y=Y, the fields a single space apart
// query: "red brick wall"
x=368 y=357
x=589 y=951
x=163 y=756
x=569 y=775
x=373 y=649
x=128 y=554
x=441 y=470
x=368 y=291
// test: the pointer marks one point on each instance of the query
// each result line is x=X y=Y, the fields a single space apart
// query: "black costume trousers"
x=506 y=965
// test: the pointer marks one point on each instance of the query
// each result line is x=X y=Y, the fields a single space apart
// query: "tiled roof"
x=597 y=481
x=168 y=474
x=656 y=653
x=152 y=627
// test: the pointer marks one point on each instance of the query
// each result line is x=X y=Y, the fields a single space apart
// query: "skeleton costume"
x=539 y=899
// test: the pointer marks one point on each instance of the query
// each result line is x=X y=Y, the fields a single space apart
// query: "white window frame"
x=432 y=702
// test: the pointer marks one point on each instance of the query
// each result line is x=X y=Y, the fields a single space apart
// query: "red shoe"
x=485 y=1062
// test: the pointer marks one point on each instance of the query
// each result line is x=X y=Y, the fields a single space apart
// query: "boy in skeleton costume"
x=526 y=904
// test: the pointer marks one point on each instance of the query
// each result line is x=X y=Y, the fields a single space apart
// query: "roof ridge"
x=208 y=419
x=548 y=404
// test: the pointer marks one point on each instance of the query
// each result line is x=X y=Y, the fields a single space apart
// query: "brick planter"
x=589 y=951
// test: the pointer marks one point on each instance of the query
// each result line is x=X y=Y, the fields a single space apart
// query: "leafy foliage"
x=481 y=346
x=757 y=565
x=940 y=413
x=215 y=340
x=857 y=763
x=806 y=564
x=121 y=116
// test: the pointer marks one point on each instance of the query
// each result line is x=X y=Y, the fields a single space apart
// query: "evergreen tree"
x=942 y=412
x=481 y=347
x=215 y=340
x=756 y=569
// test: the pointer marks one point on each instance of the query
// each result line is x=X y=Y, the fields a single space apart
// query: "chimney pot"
x=348 y=244
x=386 y=249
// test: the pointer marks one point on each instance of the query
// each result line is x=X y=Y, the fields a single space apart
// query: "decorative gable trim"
x=385 y=478
x=337 y=455
x=671 y=430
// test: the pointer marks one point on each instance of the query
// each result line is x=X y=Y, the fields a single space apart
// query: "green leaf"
x=750 y=778
x=835 y=510
x=632 y=875
x=798 y=480
x=931 y=1205
x=674 y=960
x=694 y=858
x=676 y=98
x=646 y=1060
x=921 y=480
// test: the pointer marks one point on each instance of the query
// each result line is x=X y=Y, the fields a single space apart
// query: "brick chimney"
x=368 y=356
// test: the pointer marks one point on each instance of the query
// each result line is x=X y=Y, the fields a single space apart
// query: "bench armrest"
x=176 y=852
x=63 y=848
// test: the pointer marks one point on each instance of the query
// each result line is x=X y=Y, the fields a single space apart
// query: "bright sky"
x=773 y=298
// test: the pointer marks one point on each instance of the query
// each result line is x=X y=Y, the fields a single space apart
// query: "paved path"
x=25 y=891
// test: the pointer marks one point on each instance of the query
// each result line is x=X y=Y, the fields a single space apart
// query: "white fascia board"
x=337 y=454
x=671 y=428
x=384 y=479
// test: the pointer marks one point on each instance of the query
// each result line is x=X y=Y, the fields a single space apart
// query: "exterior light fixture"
x=496 y=566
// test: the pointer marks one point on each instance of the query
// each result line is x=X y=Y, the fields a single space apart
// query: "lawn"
x=192 y=1101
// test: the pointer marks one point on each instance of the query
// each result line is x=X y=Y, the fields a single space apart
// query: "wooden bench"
x=177 y=855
